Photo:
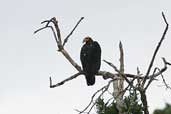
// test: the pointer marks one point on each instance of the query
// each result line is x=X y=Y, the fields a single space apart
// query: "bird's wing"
x=84 y=55
x=96 y=56
x=96 y=51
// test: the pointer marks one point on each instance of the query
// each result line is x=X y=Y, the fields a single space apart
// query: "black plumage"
x=91 y=59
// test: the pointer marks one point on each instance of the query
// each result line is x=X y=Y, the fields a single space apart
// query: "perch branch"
x=106 y=75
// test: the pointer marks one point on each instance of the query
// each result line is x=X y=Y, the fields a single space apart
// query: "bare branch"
x=151 y=78
x=166 y=62
x=57 y=36
x=158 y=73
x=119 y=73
x=112 y=65
x=156 y=50
x=62 y=82
x=143 y=90
x=165 y=19
x=47 y=24
x=68 y=57
x=66 y=39
x=133 y=76
x=54 y=34
x=39 y=29
x=105 y=75
x=55 y=22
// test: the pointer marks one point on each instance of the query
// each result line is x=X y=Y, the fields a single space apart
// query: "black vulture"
x=91 y=59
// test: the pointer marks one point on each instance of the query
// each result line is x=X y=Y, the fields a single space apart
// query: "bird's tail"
x=90 y=79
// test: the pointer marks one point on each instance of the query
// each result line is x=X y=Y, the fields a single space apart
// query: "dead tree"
x=137 y=81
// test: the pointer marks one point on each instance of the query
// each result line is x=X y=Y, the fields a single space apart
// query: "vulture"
x=90 y=57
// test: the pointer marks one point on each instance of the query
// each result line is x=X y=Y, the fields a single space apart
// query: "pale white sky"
x=27 y=60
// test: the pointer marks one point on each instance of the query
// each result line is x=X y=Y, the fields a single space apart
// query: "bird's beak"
x=85 y=40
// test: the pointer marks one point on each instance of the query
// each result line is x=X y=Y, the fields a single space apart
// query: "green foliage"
x=166 y=110
x=132 y=105
x=104 y=108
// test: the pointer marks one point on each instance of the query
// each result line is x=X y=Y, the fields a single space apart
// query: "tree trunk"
x=118 y=85
x=144 y=102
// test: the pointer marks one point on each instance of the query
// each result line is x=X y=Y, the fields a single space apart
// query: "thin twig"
x=54 y=34
x=165 y=19
x=164 y=81
x=39 y=29
x=46 y=26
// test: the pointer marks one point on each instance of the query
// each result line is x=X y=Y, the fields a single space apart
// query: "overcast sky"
x=27 y=60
